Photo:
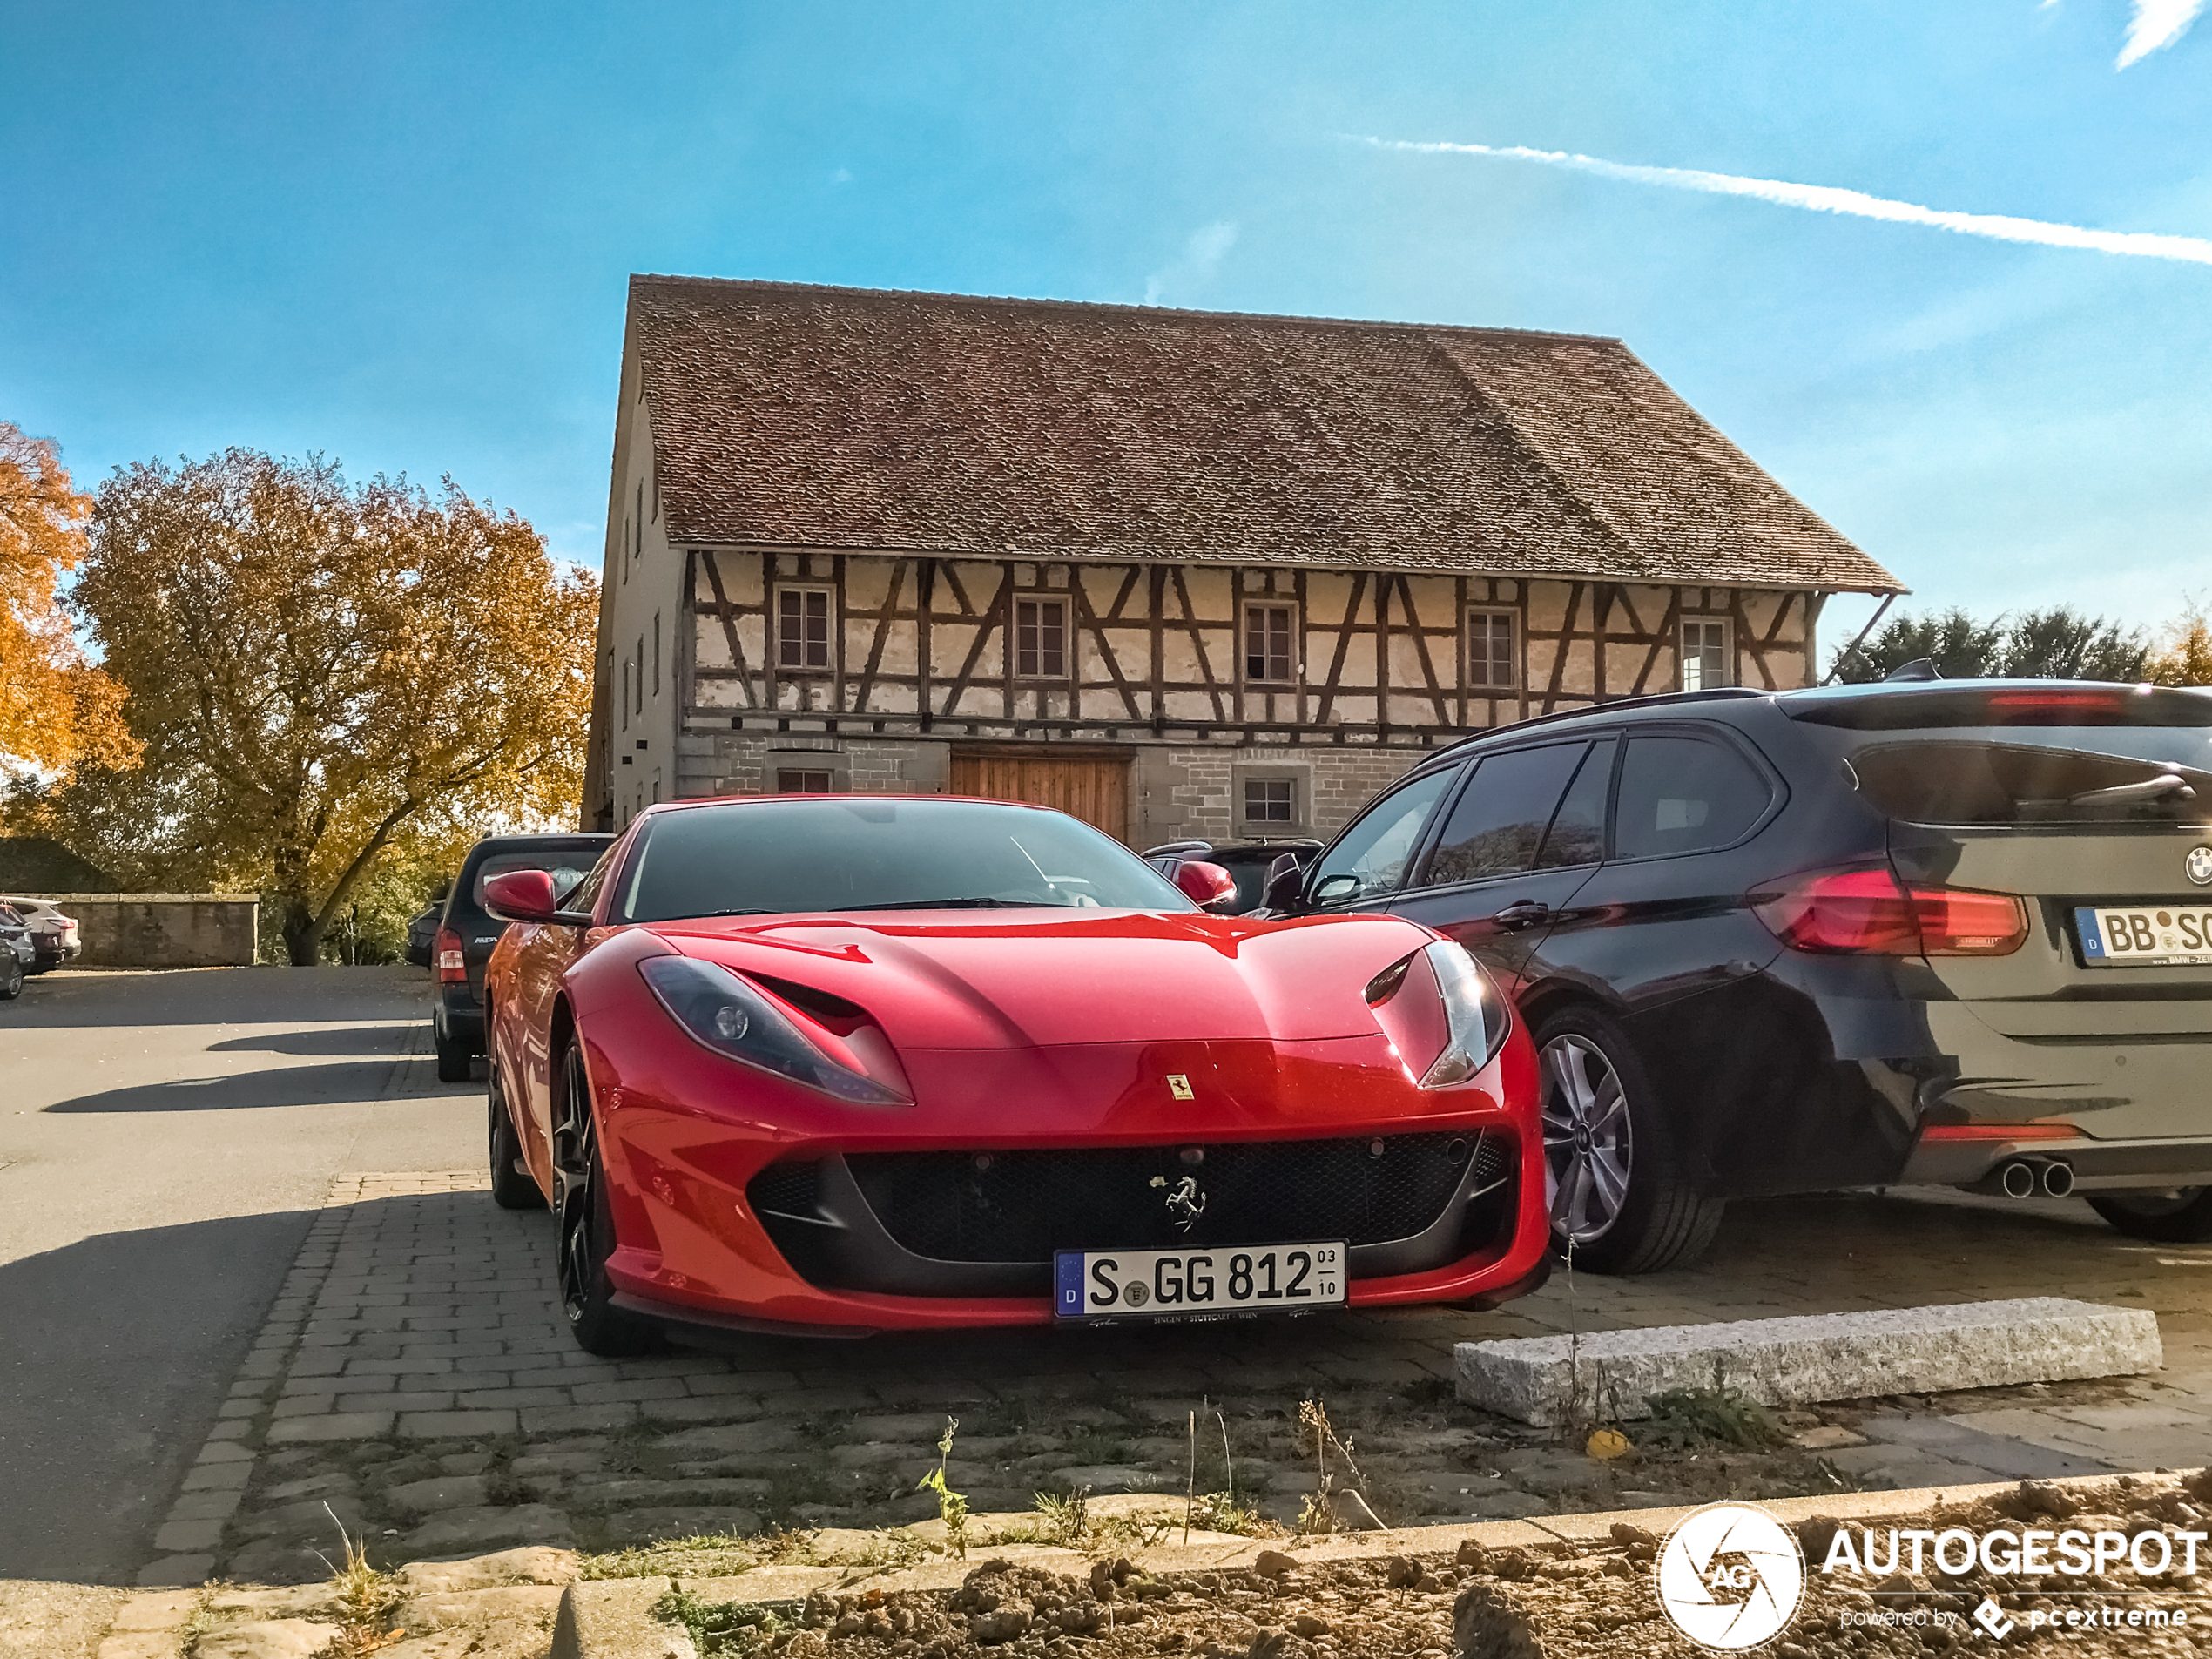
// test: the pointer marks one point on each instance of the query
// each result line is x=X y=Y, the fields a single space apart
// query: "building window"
x=803 y=628
x=802 y=783
x=656 y=653
x=1493 y=661
x=1270 y=801
x=1041 y=639
x=1268 y=655
x=1704 y=653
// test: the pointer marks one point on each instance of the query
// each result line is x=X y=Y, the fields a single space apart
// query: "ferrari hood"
x=935 y=980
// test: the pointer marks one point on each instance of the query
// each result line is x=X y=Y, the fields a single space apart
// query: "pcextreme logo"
x=1731 y=1577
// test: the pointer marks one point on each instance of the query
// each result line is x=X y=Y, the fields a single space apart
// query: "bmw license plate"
x=1197 y=1284
x=2144 y=935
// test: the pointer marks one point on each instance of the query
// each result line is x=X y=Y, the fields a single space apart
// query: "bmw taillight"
x=446 y=957
x=1866 y=910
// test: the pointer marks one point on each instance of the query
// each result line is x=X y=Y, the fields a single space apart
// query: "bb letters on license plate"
x=1156 y=1284
x=2143 y=936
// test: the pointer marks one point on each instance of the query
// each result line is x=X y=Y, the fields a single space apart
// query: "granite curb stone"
x=1797 y=1360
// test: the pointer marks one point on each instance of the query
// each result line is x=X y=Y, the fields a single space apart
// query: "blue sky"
x=398 y=234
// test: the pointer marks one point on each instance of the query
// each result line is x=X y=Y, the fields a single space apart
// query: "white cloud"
x=2155 y=25
x=1828 y=198
x=1208 y=245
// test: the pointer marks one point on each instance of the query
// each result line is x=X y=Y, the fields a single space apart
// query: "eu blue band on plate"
x=2093 y=943
x=1067 y=1276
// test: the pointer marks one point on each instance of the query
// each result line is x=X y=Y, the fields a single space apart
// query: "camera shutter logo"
x=2198 y=865
x=1731 y=1577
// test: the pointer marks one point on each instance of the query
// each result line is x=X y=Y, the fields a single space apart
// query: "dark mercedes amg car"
x=1954 y=933
x=466 y=932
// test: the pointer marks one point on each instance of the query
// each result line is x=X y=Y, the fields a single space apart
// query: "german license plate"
x=1186 y=1283
x=2144 y=935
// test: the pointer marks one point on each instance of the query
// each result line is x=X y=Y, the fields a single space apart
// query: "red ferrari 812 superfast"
x=843 y=1064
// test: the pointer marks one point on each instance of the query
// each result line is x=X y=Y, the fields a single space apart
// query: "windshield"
x=777 y=857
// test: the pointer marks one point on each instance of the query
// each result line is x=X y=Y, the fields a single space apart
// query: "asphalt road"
x=165 y=1140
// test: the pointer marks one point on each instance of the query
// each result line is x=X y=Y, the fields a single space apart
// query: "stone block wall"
x=1178 y=790
x=163 y=929
x=745 y=762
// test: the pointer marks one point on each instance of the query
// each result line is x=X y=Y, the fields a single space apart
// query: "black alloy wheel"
x=1618 y=1202
x=587 y=1231
x=2183 y=1216
x=513 y=1187
x=11 y=978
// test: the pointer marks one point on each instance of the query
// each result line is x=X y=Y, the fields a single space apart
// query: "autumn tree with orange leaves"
x=325 y=675
x=56 y=707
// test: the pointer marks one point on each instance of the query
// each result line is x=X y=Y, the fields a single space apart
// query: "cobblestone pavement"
x=413 y=1384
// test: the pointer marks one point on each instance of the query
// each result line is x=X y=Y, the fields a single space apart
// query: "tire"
x=11 y=978
x=1620 y=1203
x=512 y=1186
x=454 y=1056
x=586 y=1236
x=2186 y=1218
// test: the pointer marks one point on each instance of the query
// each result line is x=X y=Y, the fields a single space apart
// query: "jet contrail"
x=1828 y=198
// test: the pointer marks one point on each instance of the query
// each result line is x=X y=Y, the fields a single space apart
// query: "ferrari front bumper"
x=738 y=1206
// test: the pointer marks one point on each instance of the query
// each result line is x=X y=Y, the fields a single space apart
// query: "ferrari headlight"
x=728 y=1016
x=1474 y=1014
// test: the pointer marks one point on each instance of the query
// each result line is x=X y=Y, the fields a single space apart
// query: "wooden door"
x=1092 y=787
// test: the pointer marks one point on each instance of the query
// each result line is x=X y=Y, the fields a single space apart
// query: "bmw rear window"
x=2003 y=753
x=2003 y=780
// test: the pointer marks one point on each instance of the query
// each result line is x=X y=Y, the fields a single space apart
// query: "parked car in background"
x=16 y=952
x=1954 y=933
x=466 y=932
x=53 y=935
x=1251 y=865
x=422 y=932
x=898 y=1061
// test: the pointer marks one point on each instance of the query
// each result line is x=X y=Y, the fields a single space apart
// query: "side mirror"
x=1336 y=889
x=1207 y=885
x=1284 y=878
x=527 y=895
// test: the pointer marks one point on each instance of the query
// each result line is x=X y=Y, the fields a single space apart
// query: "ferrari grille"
x=1021 y=1206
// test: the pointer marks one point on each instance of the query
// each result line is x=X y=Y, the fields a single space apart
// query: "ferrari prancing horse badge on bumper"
x=1179 y=1086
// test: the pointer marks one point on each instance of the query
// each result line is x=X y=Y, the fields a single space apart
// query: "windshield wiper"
x=2148 y=789
x=702 y=915
x=958 y=904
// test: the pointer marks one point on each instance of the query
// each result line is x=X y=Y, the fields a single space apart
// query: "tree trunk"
x=302 y=930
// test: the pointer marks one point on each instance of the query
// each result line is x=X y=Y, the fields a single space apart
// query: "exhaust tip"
x=2058 y=1179
x=2017 y=1178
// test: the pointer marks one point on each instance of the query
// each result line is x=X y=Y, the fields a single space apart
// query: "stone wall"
x=1197 y=792
x=1179 y=790
x=163 y=929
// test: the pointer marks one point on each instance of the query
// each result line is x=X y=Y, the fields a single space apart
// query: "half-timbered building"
x=1179 y=573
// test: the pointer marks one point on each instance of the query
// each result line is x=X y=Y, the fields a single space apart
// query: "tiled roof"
x=796 y=417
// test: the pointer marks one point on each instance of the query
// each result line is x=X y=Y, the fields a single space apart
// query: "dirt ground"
x=1559 y=1602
